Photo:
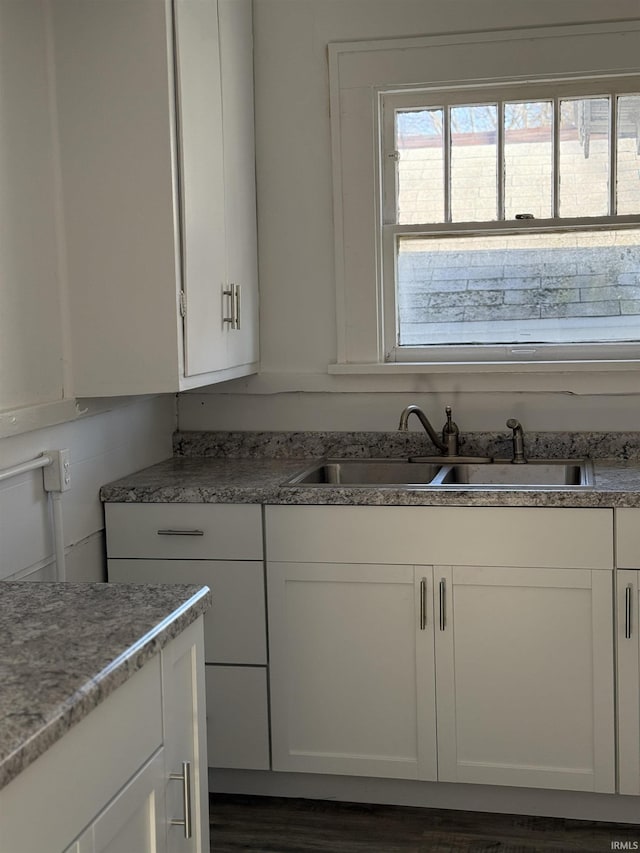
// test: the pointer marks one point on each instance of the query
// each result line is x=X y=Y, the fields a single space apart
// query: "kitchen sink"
x=448 y=473
x=367 y=472
x=534 y=474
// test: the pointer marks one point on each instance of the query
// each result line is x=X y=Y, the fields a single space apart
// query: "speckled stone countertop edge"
x=94 y=691
x=264 y=481
x=372 y=496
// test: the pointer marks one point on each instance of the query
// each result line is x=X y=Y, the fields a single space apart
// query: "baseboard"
x=574 y=805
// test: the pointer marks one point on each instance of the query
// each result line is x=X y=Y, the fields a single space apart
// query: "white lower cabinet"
x=628 y=648
x=219 y=545
x=185 y=745
x=130 y=821
x=628 y=639
x=352 y=674
x=109 y=783
x=237 y=717
x=493 y=668
x=524 y=661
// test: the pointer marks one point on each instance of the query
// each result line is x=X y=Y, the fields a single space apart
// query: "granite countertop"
x=65 y=647
x=255 y=467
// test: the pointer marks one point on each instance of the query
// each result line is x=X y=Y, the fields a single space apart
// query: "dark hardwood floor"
x=278 y=825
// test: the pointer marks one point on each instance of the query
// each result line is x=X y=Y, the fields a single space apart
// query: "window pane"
x=628 y=146
x=420 y=186
x=474 y=163
x=528 y=159
x=584 y=157
x=575 y=287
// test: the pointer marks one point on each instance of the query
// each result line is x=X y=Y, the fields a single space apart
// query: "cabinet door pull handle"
x=627 y=611
x=443 y=622
x=423 y=604
x=236 y=288
x=232 y=317
x=168 y=531
x=185 y=778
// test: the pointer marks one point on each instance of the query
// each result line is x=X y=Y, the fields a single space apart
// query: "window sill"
x=487 y=367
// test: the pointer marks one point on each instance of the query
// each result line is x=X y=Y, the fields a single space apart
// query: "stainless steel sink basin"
x=534 y=474
x=367 y=472
x=449 y=473
x=453 y=460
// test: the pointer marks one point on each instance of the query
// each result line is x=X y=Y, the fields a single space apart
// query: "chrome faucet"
x=449 y=444
x=518 y=441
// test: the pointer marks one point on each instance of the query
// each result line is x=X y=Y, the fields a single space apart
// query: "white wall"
x=32 y=350
x=103 y=447
x=35 y=385
x=296 y=262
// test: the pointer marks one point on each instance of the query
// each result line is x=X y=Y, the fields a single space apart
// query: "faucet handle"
x=450 y=428
x=518 y=441
x=450 y=434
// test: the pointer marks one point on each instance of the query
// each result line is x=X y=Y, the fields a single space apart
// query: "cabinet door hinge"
x=183 y=304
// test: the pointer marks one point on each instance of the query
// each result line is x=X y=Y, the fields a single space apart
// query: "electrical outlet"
x=57 y=476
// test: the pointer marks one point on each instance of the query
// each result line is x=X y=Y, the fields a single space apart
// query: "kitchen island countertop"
x=65 y=647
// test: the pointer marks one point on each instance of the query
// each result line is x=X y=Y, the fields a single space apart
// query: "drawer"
x=237 y=717
x=628 y=538
x=187 y=531
x=234 y=628
x=462 y=536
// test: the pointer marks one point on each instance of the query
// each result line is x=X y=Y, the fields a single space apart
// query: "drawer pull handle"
x=423 y=604
x=443 y=623
x=627 y=612
x=185 y=778
x=171 y=532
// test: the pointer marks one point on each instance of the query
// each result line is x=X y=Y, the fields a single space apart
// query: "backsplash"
x=305 y=445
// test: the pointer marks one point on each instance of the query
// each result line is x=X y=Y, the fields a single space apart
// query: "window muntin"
x=534 y=165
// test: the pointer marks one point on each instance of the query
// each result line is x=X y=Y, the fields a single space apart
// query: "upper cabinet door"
x=202 y=188
x=115 y=102
x=236 y=60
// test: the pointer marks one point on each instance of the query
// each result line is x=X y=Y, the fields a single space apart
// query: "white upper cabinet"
x=155 y=113
x=201 y=170
x=236 y=62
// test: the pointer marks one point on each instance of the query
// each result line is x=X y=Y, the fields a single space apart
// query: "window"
x=510 y=220
x=487 y=201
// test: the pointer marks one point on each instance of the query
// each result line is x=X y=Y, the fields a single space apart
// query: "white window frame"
x=579 y=58
x=388 y=103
